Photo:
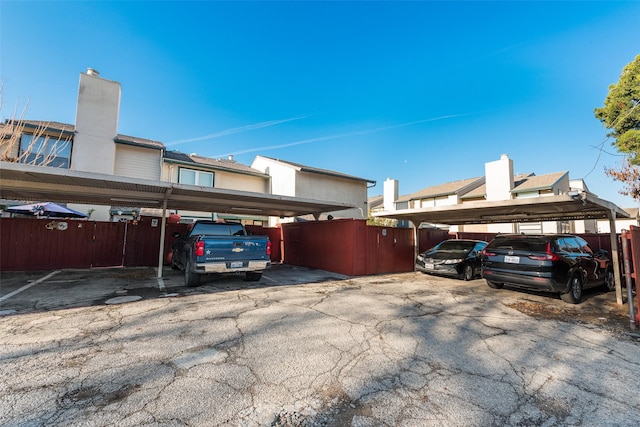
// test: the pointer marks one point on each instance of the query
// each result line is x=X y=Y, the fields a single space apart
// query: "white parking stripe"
x=269 y=278
x=25 y=287
x=160 y=280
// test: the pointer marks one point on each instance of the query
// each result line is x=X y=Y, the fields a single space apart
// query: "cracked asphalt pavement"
x=392 y=350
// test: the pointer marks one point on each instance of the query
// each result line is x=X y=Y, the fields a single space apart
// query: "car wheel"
x=495 y=285
x=191 y=278
x=467 y=272
x=575 y=290
x=252 y=276
x=609 y=282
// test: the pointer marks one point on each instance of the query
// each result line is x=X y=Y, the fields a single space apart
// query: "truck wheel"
x=174 y=266
x=191 y=278
x=252 y=276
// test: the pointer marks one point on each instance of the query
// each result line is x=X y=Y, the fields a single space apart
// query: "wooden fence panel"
x=348 y=247
x=45 y=244
x=107 y=244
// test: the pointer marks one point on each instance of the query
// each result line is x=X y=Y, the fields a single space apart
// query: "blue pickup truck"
x=214 y=247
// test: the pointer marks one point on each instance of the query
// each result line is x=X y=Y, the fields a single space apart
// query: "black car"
x=559 y=263
x=456 y=257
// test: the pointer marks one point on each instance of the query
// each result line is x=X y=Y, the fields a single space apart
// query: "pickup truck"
x=214 y=247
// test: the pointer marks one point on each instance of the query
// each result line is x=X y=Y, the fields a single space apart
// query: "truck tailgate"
x=236 y=248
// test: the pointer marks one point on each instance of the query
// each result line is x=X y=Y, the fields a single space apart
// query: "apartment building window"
x=45 y=151
x=195 y=177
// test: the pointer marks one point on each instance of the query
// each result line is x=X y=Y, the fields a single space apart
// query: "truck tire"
x=252 y=276
x=174 y=265
x=191 y=278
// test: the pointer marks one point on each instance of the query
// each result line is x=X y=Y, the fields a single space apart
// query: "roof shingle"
x=208 y=162
x=541 y=182
x=141 y=142
x=311 y=169
x=460 y=188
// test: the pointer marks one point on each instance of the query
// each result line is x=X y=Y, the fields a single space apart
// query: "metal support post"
x=163 y=232
x=615 y=258
x=627 y=276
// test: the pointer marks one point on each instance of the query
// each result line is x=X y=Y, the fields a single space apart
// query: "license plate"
x=236 y=264
x=428 y=266
x=512 y=259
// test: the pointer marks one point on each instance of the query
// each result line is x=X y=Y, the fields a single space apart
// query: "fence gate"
x=46 y=244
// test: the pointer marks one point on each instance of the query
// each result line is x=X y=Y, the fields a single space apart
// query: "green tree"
x=621 y=116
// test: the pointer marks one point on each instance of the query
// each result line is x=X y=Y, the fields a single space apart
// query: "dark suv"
x=558 y=263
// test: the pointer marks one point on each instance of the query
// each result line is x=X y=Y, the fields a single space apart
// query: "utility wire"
x=606 y=138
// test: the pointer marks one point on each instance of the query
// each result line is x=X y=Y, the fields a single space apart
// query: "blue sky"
x=423 y=92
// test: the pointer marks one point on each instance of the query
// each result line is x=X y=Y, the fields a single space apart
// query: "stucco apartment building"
x=498 y=184
x=93 y=144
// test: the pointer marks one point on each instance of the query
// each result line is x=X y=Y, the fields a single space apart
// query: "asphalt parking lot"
x=308 y=348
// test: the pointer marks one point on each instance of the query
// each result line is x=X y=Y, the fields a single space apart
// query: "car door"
x=595 y=271
x=584 y=259
x=475 y=255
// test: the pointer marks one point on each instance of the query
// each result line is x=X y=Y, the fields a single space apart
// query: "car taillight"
x=268 y=247
x=548 y=256
x=199 y=248
x=485 y=252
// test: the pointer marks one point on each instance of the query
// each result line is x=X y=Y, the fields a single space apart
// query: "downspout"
x=614 y=256
x=163 y=226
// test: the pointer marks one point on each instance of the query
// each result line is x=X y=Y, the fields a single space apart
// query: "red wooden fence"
x=348 y=247
x=633 y=239
x=345 y=246
x=43 y=244
x=46 y=244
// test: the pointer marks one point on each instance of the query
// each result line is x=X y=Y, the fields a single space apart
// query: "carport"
x=571 y=206
x=28 y=182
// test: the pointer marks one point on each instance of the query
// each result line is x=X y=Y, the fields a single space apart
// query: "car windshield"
x=531 y=244
x=455 y=245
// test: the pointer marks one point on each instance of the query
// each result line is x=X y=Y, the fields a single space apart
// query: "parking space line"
x=25 y=287
x=160 y=280
x=269 y=278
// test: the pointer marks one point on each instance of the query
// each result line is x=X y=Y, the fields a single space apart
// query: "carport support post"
x=416 y=243
x=614 y=256
x=162 y=234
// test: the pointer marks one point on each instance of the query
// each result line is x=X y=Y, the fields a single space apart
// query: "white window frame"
x=198 y=175
x=45 y=150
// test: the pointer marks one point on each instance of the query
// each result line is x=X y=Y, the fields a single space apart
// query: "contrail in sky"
x=342 y=135
x=235 y=130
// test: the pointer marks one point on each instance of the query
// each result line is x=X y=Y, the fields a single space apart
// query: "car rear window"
x=212 y=229
x=456 y=245
x=524 y=243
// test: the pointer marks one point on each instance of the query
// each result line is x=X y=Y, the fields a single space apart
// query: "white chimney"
x=96 y=124
x=499 y=178
x=390 y=194
x=231 y=157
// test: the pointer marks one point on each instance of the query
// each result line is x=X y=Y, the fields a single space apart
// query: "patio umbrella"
x=49 y=209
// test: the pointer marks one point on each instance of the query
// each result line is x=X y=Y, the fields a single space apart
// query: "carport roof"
x=37 y=183
x=546 y=208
